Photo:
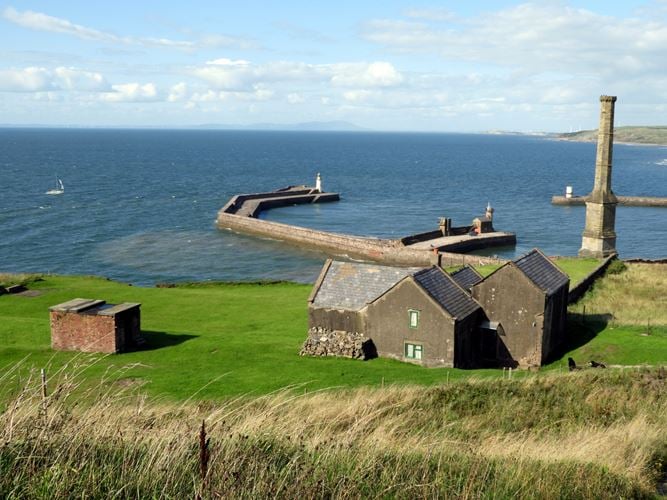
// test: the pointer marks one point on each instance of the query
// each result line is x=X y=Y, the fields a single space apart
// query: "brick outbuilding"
x=89 y=325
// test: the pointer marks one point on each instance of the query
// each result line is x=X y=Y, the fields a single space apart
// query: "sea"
x=139 y=205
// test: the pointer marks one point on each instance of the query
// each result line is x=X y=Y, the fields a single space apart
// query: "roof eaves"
x=447 y=276
x=320 y=279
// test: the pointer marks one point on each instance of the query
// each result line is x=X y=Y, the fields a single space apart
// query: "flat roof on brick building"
x=93 y=306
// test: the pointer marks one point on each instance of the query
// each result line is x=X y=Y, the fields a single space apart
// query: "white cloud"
x=37 y=79
x=26 y=80
x=209 y=96
x=538 y=37
x=377 y=74
x=74 y=79
x=132 y=92
x=178 y=92
x=295 y=98
x=241 y=75
x=431 y=13
x=43 y=22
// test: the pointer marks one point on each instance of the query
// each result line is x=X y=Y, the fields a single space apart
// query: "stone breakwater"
x=323 y=342
x=628 y=201
x=238 y=216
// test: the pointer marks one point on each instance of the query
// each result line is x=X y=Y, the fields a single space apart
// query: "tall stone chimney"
x=599 y=239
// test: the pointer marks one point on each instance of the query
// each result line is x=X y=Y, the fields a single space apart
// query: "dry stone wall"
x=324 y=342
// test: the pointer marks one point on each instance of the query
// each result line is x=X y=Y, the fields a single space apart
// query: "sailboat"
x=59 y=189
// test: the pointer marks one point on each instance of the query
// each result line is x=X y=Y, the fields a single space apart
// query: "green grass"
x=612 y=344
x=577 y=268
x=222 y=340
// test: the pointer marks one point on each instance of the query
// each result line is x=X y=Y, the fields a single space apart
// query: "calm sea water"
x=140 y=205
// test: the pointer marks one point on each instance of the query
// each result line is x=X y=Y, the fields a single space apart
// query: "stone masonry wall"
x=82 y=332
x=383 y=251
x=324 y=342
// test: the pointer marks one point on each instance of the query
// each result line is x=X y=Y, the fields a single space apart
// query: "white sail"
x=59 y=189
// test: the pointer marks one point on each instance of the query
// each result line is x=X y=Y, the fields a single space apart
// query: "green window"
x=414 y=351
x=413 y=318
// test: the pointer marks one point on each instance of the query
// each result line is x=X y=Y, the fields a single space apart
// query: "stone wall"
x=324 y=342
x=383 y=251
x=586 y=283
x=629 y=201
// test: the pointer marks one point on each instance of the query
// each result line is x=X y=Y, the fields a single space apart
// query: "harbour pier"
x=441 y=247
x=628 y=201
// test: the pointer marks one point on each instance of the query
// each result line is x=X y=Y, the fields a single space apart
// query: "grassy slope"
x=623 y=319
x=240 y=339
x=590 y=434
x=249 y=335
x=638 y=135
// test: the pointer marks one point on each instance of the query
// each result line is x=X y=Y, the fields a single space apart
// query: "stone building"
x=525 y=302
x=411 y=314
x=467 y=277
x=94 y=326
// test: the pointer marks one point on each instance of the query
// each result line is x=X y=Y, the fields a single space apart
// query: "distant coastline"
x=645 y=135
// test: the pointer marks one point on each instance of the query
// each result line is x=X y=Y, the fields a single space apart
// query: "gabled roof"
x=467 y=277
x=352 y=285
x=540 y=270
x=446 y=292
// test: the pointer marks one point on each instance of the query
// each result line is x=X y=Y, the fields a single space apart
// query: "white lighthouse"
x=489 y=211
x=318 y=182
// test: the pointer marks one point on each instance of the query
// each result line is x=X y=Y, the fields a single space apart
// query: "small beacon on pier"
x=568 y=191
x=318 y=182
x=489 y=211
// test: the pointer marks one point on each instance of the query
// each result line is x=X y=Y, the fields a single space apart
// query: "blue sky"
x=391 y=65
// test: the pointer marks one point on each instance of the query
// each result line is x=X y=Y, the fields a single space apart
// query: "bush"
x=616 y=267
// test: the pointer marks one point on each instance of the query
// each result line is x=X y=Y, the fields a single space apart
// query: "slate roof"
x=445 y=291
x=541 y=271
x=467 y=277
x=352 y=285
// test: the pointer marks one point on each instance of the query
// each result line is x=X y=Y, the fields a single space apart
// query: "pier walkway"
x=628 y=201
x=241 y=212
x=250 y=205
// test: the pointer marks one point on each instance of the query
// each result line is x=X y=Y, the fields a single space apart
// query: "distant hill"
x=634 y=135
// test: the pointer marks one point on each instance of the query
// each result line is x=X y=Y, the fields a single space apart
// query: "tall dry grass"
x=632 y=297
x=582 y=435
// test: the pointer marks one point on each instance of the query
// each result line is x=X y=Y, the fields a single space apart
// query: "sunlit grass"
x=636 y=296
x=571 y=435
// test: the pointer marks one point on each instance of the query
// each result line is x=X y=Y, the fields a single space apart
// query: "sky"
x=392 y=65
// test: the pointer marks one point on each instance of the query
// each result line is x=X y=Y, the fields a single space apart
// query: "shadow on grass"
x=580 y=330
x=158 y=340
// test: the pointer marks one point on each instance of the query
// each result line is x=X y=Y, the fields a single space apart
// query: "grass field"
x=590 y=434
x=575 y=268
x=216 y=341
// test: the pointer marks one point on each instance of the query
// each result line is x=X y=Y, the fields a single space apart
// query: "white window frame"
x=413 y=350
x=413 y=313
